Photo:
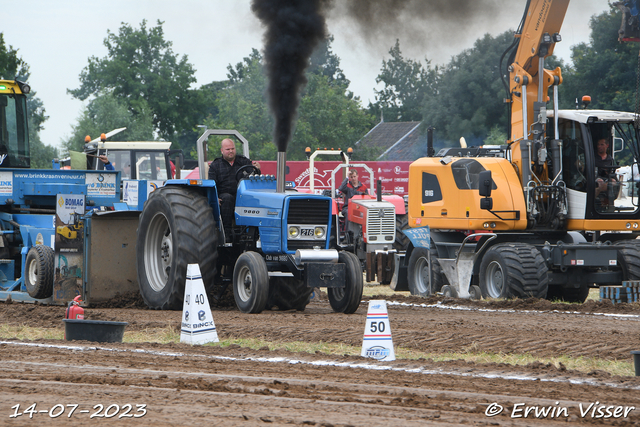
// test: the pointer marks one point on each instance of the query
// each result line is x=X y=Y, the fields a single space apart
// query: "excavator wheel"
x=288 y=293
x=39 y=270
x=418 y=273
x=629 y=258
x=176 y=229
x=579 y=294
x=513 y=270
x=346 y=300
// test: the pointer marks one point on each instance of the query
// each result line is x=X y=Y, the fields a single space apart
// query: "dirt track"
x=183 y=385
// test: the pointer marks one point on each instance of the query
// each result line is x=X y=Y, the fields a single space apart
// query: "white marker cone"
x=377 y=342
x=197 y=322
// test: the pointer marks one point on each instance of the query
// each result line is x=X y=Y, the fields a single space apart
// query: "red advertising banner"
x=394 y=175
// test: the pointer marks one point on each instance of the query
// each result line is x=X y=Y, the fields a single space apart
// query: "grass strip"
x=171 y=335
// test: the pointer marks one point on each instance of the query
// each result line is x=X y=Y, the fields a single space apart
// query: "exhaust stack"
x=280 y=171
x=430 y=151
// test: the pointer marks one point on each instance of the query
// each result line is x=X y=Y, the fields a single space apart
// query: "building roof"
x=396 y=140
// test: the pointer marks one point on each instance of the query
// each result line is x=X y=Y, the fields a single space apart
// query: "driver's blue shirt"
x=224 y=174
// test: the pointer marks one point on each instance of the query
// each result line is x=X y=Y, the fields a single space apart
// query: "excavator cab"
x=14 y=133
x=599 y=189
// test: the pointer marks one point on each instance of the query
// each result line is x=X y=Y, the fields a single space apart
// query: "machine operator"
x=351 y=187
x=223 y=171
x=603 y=160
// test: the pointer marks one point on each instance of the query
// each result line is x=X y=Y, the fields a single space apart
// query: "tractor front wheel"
x=346 y=300
x=251 y=283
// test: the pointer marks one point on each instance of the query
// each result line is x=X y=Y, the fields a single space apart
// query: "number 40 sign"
x=377 y=342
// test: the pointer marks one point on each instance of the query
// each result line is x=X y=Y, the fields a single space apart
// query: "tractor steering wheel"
x=245 y=171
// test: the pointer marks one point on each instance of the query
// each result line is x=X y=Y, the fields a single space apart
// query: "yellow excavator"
x=550 y=214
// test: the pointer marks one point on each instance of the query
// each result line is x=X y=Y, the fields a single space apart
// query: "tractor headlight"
x=294 y=232
x=319 y=232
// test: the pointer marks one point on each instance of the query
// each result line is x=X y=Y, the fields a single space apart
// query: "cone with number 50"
x=377 y=342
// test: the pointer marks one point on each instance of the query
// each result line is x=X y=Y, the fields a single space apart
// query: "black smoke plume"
x=375 y=16
x=293 y=29
x=424 y=27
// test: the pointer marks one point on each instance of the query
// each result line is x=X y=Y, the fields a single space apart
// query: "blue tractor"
x=277 y=252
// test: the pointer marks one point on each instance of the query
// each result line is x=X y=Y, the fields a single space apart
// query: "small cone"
x=197 y=322
x=377 y=342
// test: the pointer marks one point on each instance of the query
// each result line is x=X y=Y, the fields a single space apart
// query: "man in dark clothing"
x=223 y=171
x=603 y=159
x=351 y=187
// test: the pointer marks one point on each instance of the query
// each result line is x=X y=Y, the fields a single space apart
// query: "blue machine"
x=28 y=229
x=27 y=219
x=274 y=255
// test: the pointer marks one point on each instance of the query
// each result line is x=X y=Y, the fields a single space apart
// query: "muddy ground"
x=179 y=384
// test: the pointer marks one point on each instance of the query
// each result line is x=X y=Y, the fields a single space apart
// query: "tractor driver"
x=351 y=187
x=223 y=171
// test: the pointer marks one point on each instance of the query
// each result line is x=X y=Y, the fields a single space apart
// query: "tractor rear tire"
x=402 y=242
x=176 y=228
x=347 y=300
x=251 y=283
x=513 y=270
x=288 y=293
x=39 y=271
x=418 y=273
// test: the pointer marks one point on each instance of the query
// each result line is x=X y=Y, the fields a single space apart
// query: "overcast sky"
x=56 y=38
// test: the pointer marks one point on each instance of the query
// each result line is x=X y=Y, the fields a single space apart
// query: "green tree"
x=324 y=62
x=105 y=113
x=496 y=136
x=41 y=154
x=604 y=68
x=328 y=116
x=242 y=105
x=13 y=67
x=406 y=85
x=142 y=71
x=469 y=98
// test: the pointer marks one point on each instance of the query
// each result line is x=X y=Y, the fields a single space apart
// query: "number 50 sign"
x=377 y=342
